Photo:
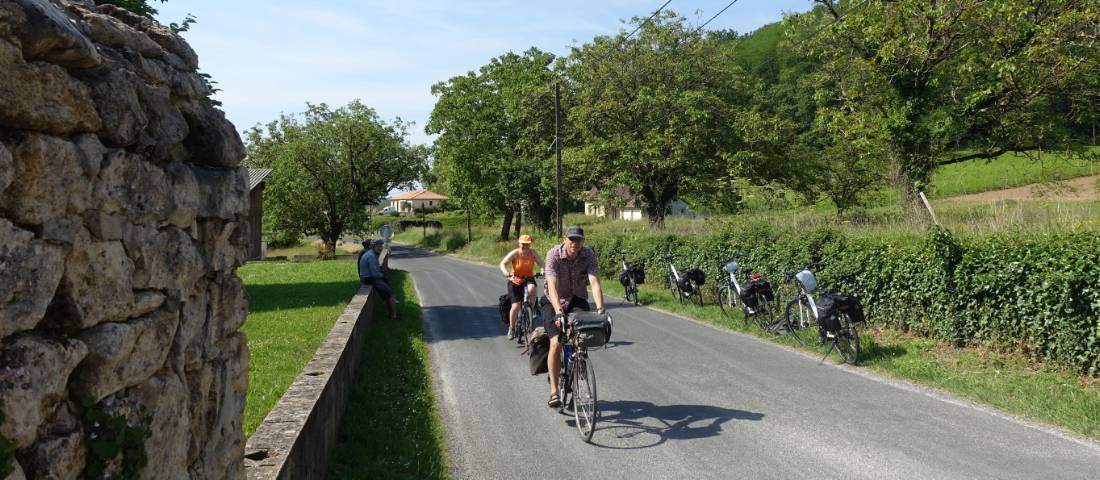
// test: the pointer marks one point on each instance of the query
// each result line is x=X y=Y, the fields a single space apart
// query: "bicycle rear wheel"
x=697 y=294
x=726 y=303
x=632 y=292
x=523 y=323
x=585 y=410
x=765 y=315
x=847 y=339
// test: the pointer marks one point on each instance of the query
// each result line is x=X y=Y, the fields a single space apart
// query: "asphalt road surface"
x=679 y=399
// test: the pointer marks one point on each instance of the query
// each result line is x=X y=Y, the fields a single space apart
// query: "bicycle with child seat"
x=685 y=285
x=577 y=379
x=529 y=314
x=828 y=317
x=629 y=277
x=754 y=297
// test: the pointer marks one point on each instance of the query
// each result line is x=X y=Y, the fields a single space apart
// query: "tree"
x=653 y=112
x=493 y=128
x=330 y=166
x=930 y=83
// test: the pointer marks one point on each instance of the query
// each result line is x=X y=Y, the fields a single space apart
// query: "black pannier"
x=505 y=308
x=751 y=288
x=698 y=276
x=849 y=304
x=639 y=276
x=592 y=329
x=827 y=313
x=538 y=349
x=683 y=284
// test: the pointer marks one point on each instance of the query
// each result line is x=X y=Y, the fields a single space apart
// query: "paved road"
x=683 y=400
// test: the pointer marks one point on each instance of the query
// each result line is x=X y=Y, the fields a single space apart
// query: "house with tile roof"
x=408 y=203
x=624 y=205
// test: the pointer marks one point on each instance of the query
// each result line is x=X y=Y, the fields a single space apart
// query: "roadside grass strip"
x=392 y=427
x=292 y=307
x=1008 y=382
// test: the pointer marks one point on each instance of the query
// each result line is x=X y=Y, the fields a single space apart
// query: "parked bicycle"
x=577 y=380
x=686 y=284
x=755 y=296
x=529 y=314
x=630 y=277
x=830 y=317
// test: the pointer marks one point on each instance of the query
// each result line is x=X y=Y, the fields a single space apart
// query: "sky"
x=273 y=56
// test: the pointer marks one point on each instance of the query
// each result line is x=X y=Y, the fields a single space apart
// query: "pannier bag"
x=698 y=276
x=505 y=308
x=538 y=349
x=683 y=284
x=753 y=287
x=639 y=276
x=827 y=314
x=849 y=304
x=592 y=329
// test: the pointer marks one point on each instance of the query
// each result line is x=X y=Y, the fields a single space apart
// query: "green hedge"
x=1039 y=295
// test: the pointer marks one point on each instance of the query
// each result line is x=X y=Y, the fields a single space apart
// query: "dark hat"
x=575 y=232
x=378 y=241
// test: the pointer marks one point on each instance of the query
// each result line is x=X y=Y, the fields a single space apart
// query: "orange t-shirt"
x=522 y=268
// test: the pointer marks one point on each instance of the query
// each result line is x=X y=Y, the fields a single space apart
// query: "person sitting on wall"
x=370 y=273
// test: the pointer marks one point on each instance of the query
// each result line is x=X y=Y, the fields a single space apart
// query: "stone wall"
x=121 y=213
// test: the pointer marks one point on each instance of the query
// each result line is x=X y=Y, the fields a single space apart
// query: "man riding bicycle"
x=569 y=267
x=523 y=260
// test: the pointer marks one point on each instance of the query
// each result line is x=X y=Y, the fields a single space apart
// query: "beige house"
x=408 y=203
x=627 y=206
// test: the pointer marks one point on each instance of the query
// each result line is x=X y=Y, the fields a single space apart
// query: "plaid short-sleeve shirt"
x=572 y=274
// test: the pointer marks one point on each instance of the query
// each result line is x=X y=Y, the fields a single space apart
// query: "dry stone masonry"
x=122 y=205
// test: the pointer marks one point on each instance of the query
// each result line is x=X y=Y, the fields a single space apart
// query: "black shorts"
x=548 y=312
x=516 y=291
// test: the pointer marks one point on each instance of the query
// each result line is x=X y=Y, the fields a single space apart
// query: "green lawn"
x=292 y=307
x=392 y=428
x=1009 y=170
x=301 y=249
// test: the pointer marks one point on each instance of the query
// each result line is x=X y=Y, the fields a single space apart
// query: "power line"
x=643 y=22
x=728 y=5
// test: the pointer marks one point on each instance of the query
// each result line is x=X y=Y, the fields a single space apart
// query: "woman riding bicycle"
x=523 y=260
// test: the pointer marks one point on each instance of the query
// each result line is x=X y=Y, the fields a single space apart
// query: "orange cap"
x=525 y=239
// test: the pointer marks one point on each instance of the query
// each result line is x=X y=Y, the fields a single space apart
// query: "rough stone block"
x=42 y=97
x=213 y=140
x=97 y=284
x=185 y=195
x=162 y=400
x=113 y=32
x=122 y=355
x=136 y=188
x=58 y=457
x=166 y=259
x=161 y=139
x=47 y=181
x=47 y=34
x=115 y=93
x=224 y=192
x=6 y=168
x=31 y=270
x=104 y=226
x=32 y=382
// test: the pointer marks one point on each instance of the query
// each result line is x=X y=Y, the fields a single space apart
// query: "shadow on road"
x=460 y=322
x=627 y=424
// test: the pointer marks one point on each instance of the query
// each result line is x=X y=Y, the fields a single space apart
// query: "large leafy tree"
x=493 y=127
x=329 y=166
x=929 y=83
x=654 y=112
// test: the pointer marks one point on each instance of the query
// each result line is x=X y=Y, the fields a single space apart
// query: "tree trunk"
x=469 y=229
x=507 y=224
x=519 y=221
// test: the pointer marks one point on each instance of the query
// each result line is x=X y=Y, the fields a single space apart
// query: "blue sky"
x=274 y=56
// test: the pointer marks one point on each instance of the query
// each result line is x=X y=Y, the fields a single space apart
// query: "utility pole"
x=557 y=149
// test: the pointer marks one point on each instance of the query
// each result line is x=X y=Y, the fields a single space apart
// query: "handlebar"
x=788 y=276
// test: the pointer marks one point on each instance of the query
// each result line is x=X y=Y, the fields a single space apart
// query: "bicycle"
x=755 y=297
x=630 y=278
x=831 y=314
x=577 y=379
x=528 y=313
x=686 y=283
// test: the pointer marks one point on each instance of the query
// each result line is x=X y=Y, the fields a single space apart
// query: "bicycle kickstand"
x=832 y=346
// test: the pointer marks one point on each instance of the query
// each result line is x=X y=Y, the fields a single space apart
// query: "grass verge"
x=1009 y=382
x=292 y=307
x=1010 y=170
x=392 y=428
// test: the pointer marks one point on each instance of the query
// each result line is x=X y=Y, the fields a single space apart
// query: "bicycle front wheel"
x=847 y=339
x=799 y=321
x=765 y=315
x=585 y=410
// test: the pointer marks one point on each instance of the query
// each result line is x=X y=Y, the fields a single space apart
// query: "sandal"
x=555 y=401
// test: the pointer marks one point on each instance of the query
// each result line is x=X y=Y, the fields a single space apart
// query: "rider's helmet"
x=525 y=239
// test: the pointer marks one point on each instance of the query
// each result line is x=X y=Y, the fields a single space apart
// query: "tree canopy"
x=329 y=167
